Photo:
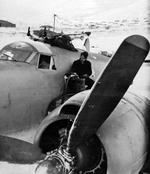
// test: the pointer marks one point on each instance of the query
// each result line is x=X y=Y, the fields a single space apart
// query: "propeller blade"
x=17 y=151
x=108 y=89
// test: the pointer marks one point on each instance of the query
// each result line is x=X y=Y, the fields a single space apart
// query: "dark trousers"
x=89 y=82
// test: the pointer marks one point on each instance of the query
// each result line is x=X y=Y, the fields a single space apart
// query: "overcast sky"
x=38 y=10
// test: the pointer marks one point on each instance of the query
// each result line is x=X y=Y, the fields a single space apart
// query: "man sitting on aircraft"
x=82 y=67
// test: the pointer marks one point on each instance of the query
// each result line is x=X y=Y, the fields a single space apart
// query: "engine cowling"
x=119 y=146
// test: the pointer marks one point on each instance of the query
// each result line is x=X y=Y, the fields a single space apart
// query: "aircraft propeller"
x=107 y=91
x=17 y=151
x=104 y=96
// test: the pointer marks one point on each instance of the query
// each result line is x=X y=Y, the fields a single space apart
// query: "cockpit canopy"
x=35 y=53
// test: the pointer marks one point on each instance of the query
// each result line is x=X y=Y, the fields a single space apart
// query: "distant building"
x=6 y=24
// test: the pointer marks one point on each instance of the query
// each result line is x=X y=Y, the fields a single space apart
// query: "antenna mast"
x=54 y=23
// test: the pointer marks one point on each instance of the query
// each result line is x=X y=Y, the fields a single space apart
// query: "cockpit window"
x=34 y=53
x=17 y=55
x=46 y=62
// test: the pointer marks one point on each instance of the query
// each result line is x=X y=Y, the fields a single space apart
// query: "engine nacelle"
x=120 y=146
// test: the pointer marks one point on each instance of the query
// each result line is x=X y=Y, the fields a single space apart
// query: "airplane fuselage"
x=25 y=94
x=26 y=90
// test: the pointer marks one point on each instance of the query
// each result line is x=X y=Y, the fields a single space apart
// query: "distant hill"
x=140 y=9
x=6 y=24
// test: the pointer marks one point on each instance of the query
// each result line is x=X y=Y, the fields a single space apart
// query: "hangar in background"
x=6 y=24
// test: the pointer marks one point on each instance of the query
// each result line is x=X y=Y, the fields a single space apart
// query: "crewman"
x=82 y=67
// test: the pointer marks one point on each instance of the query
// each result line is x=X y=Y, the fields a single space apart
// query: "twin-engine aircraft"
x=104 y=130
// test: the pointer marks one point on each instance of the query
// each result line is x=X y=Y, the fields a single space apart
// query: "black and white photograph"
x=74 y=87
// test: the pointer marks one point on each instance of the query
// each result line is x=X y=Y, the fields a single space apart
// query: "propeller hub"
x=56 y=162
